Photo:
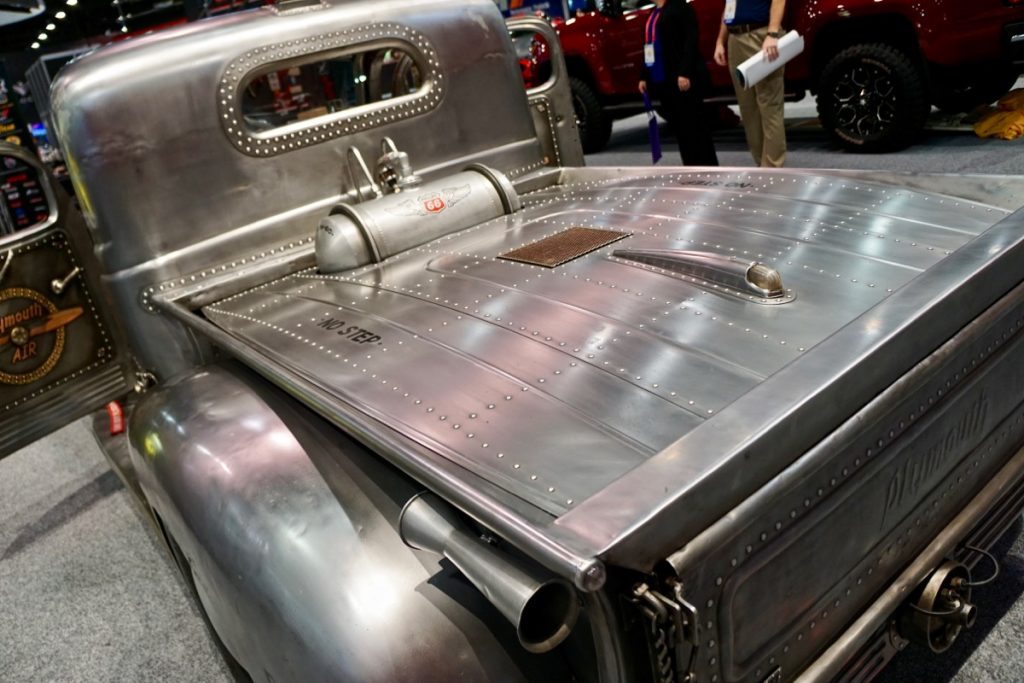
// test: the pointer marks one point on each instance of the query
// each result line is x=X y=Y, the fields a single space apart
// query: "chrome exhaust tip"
x=542 y=608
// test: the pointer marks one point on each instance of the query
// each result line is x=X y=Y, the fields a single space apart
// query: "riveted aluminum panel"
x=156 y=119
x=607 y=364
x=832 y=531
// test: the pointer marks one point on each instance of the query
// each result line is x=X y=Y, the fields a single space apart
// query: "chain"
x=663 y=660
x=661 y=633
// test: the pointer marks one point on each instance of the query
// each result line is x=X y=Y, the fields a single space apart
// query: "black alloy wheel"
x=871 y=98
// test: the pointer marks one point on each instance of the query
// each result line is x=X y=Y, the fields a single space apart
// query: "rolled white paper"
x=750 y=72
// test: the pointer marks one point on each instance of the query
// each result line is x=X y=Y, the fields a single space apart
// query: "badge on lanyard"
x=650 y=32
x=730 y=10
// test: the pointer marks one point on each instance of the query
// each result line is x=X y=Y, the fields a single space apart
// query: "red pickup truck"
x=875 y=66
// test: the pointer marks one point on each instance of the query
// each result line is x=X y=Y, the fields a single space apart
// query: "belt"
x=736 y=29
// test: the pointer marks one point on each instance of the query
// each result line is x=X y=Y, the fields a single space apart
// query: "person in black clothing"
x=675 y=74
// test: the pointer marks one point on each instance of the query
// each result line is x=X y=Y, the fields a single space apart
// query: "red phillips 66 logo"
x=434 y=204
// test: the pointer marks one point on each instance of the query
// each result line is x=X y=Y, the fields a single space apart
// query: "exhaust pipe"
x=543 y=609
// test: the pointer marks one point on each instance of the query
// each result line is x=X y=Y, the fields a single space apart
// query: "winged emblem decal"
x=431 y=203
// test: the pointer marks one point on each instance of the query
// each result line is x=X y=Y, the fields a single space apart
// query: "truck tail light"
x=116 y=414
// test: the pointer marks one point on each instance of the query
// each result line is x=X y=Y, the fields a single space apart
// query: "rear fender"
x=289 y=528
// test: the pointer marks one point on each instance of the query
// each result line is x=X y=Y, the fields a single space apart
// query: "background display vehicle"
x=484 y=414
x=876 y=68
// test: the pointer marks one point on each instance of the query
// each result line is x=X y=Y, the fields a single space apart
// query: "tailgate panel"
x=785 y=573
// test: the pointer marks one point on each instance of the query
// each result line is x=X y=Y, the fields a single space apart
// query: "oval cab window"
x=342 y=82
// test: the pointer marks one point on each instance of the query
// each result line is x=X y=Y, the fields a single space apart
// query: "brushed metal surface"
x=551 y=106
x=867 y=498
x=148 y=114
x=829 y=665
x=803 y=401
x=609 y=364
x=879 y=532
x=290 y=529
x=403 y=220
x=521 y=526
x=597 y=417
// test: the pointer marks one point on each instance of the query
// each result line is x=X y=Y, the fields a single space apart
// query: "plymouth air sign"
x=32 y=334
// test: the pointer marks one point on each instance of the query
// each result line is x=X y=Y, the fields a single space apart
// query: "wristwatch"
x=776 y=34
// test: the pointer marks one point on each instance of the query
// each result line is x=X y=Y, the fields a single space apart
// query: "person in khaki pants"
x=750 y=26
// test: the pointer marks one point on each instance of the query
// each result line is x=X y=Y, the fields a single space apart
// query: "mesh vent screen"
x=563 y=247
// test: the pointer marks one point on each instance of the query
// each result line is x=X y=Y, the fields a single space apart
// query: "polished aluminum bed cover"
x=627 y=405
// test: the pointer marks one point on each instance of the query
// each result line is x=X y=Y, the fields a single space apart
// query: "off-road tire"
x=593 y=121
x=872 y=98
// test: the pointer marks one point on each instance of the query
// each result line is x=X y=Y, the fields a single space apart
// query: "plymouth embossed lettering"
x=9 y=320
x=917 y=472
x=31 y=331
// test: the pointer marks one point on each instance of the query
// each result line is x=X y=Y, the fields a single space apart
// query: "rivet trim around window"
x=331 y=126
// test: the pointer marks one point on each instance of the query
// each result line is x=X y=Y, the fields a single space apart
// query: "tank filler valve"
x=942 y=608
x=394 y=170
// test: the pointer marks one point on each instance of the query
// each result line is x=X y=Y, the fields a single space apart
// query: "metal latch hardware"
x=673 y=629
x=7 y=264
x=59 y=284
x=356 y=168
x=143 y=381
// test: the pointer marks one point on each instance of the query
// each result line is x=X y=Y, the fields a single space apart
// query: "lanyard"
x=652 y=26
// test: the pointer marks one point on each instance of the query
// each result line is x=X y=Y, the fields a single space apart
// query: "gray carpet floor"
x=87 y=592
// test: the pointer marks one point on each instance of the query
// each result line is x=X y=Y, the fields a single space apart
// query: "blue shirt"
x=751 y=12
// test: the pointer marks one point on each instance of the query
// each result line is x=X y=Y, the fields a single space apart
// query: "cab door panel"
x=59 y=358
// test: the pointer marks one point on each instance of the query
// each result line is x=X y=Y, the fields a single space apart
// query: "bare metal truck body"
x=474 y=412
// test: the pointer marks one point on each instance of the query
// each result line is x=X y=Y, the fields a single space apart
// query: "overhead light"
x=42 y=36
x=72 y=3
x=35 y=46
x=61 y=14
x=51 y=27
x=124 y=29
